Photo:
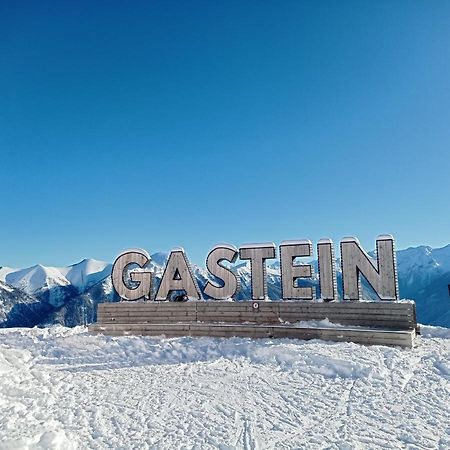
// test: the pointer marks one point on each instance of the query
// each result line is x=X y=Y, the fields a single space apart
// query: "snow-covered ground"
x=63 y=388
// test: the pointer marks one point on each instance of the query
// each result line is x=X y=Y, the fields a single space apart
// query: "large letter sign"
x=143 y=278
x=355 y=261
x=177 y=277
x=289 y=250
x=221 y=252
x=327 y=270
x=223 y=283
x=257 y=254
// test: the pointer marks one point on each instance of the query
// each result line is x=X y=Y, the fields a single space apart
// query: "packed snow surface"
x=64 y=388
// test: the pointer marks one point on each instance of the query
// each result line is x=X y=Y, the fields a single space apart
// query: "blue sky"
x=160 y=124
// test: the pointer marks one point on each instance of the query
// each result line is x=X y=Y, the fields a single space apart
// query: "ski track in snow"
x=64 y=388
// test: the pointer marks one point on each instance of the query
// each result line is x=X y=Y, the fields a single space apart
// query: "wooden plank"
x=286 y=303
x=263 y=306
x=150 y=308
x=342 y=305
x=364 y=336
x=249 y=314
x=143 y=321
x=336 y=318
x=167 y=319
x=148 y=314
x=230 y=327
x=242 y=304
x=142 y=326
x=387 y=320
x=148 y=311
x=366 y=322
x=345 y=307
x=305 y=311
x=216 y=313
x=384 y=337
x=148 y=319
x=146 y=306
x=169 y=334
x=322 y=315
x=259 y=317
x=387 y=307
x=385 y=325
x=354 y=312
x=228 y=334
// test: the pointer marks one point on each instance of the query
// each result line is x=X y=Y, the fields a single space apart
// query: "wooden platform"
x=384 y=323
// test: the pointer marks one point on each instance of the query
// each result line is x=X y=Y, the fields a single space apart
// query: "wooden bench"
x=380 y=323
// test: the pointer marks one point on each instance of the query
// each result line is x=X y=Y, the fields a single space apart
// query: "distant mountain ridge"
x=41 y=295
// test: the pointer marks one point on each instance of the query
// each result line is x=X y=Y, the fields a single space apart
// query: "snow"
x=296 y=242
x=64 y=388
x=32 y=279
x=257 y=245
x=424 y=262
x=434 y=332
x=324 y=323
x=134 y=250
x=224 y=245
x=349 y=239
x=4 y=271
x=36 y=277
x=6 y=287
x=385 y=237
x=86 y=273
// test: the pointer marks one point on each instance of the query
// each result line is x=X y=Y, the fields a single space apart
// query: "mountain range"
x=41 y=295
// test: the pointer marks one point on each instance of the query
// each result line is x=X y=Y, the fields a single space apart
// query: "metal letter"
x=144 y=278
x=382 y=276
x=177 y=277
x=289 y=250
x=327 y=270
x=257 y=254
x=223 y=252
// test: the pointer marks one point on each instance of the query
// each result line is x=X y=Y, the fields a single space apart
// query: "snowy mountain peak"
x=159 y=258
x=86 y=273
x=424 y=259
x=36 y=277
x=81 y=275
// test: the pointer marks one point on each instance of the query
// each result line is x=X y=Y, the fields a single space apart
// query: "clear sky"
x=162 y=124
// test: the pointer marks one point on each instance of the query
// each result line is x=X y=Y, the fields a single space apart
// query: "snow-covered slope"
x=424 y=276
x=18 y=308
x=86 y=273
x=82 y=275
x=4 y=271
x=35 y=278
x=420 y=265
x=64 y=389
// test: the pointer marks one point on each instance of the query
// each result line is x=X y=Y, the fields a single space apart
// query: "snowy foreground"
x=63 y=388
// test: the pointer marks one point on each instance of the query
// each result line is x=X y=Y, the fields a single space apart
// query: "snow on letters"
x=380 y=273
